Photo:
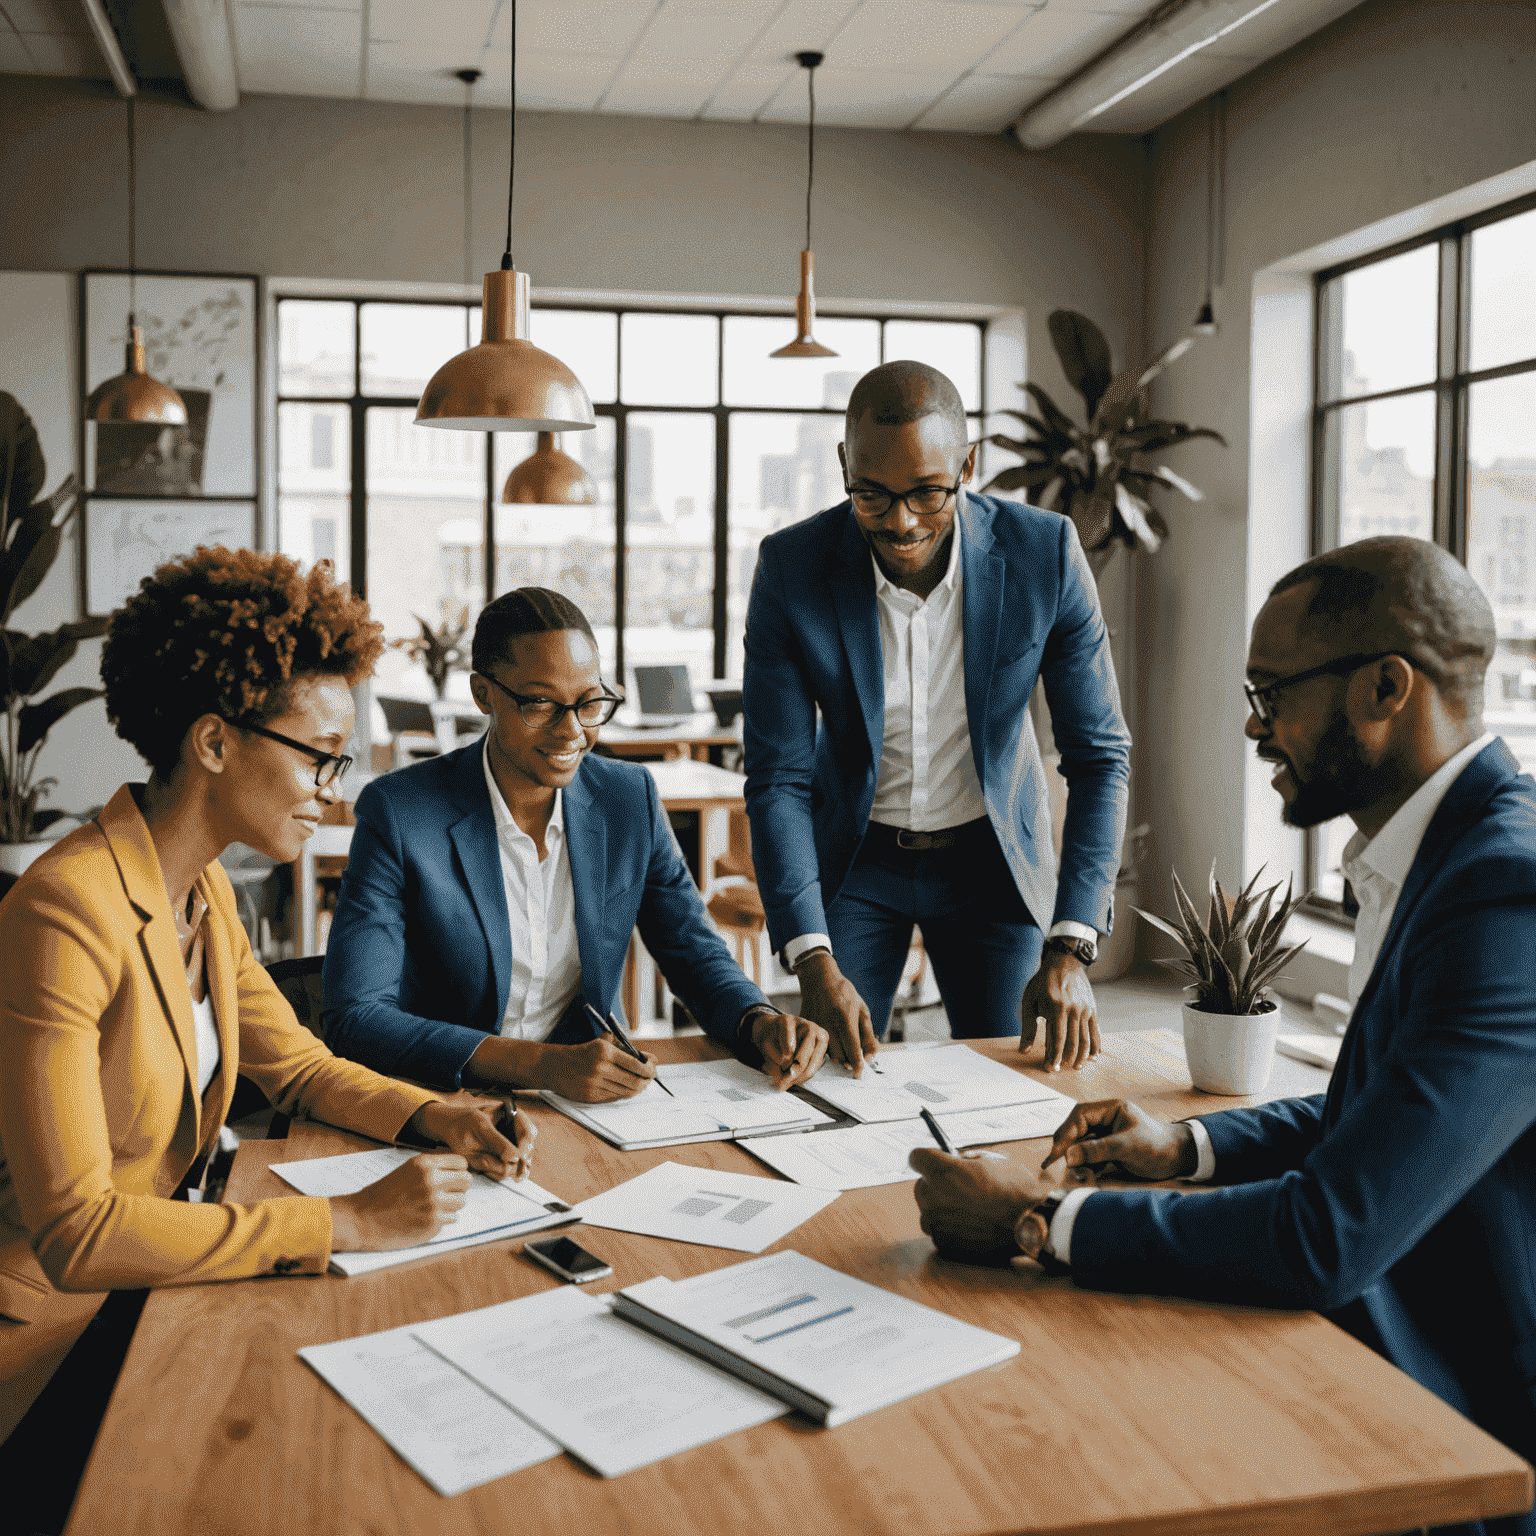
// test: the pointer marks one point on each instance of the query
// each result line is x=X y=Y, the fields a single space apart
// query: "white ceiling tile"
x=705 y=29
x=982 y=104
x=1133 y=8
x=1053 y=42
x=562 y=82
x=291 y=50
x=465 y=24
x=54 y=55
x=935 y=37
x=748 y=90
x=800 y=26
x=573 y=26
x=65 y=17
x=662 y=87
x=14 y=58
x=862 y=98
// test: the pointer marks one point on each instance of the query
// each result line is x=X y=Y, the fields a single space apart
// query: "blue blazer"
x=1408 y=1189
x=418 y=964
x=814 y=703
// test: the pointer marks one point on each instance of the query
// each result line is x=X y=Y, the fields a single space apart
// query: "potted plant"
x=1097 y=473
x=440 y=651
x=31 y=531
x=1229 y=1026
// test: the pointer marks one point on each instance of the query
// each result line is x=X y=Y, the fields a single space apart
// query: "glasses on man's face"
x=541 y=713
x=1262 y=700
x=924 y=501
x=330 y=767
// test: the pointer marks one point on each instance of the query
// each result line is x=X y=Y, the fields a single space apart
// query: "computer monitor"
x=666 y=695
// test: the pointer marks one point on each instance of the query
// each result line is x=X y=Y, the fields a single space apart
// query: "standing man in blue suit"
x=1402 y=1202
x=490 y=894
x=893 y=776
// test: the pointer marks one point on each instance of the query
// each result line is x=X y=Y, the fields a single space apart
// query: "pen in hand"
x=612 y=1026
x=945 y=1144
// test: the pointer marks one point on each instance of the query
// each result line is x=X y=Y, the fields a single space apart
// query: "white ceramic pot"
x=16 y=857
x=1230 y=1053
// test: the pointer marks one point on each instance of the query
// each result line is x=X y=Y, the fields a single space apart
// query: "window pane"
x=405 y=344
x=587 y=342
x=314 y=485
x=1503 y=280
x=783 y=469
x=316 y=347
x=954 y=348
x=426 y=533
x=569 y=548
x=752 y=377
x=671 y=359
x=1386 y=325
x=671 y=542
x=1501 y=548
x=1328 y=877
x=1382 y=460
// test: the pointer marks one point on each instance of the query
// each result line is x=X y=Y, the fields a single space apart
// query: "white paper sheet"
x=492 y=1209
x=946 y=1080
x=859 y=1156
x=615 y=1396
x=701 y=1205
x=454 y=1432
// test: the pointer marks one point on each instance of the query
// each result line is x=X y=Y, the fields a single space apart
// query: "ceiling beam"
x=112 y=50
x=201 y=33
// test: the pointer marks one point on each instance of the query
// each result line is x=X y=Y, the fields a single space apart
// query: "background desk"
x=1122 y=1415
x=693 y=738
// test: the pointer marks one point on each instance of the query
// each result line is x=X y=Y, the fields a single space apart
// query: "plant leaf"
x=1084 y=355
x=36 y=720
x=1093 y=512
x=22 y=466
x=1179 y=483
x=1168 y=355
x=1057 y=417
x=1133 y=510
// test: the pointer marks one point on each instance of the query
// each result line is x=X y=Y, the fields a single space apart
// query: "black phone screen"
x=571 y=1257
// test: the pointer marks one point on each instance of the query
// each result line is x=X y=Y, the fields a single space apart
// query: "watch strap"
x=1082 y=949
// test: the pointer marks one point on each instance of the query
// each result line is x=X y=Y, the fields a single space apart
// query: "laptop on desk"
x=666 y=696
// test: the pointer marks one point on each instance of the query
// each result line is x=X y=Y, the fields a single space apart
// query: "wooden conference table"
x=1121 y=1415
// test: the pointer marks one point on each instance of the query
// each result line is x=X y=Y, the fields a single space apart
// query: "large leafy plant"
x=32 y=527
x=1099 y=473
x=1237 y=953
x=440 y=651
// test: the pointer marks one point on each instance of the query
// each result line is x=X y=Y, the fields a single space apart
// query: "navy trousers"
x=978 y=934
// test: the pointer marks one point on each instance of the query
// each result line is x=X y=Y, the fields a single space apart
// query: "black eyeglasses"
x=541 y=713
x=925 y=501
x=1261 y=700
x=330 y=767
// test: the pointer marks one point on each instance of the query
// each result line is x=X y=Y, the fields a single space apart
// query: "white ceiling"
x=946 y=65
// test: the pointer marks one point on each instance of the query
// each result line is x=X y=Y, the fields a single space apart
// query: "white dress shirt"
x=541 y=913
x=1377 y=869
x=206 y=1034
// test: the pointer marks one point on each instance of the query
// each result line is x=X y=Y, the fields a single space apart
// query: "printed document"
x=493 y=1208
x=834 y=1346
x=701 y=1205
x=945 y=1080
x=447 y=1426
x=859 y=1156
x=612 y=1395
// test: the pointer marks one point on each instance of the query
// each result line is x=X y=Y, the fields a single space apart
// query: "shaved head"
x=895 y=394
x=1400 y=594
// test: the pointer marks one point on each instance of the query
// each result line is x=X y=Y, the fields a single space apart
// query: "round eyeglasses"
x=924 y=501
x=330 y=767
x=541 y=713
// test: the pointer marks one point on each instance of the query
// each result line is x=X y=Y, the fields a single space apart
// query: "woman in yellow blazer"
x=129 y=996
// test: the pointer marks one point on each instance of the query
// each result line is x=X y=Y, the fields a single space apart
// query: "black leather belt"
x=882 y=836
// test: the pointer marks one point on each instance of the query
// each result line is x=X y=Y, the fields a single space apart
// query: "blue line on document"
x=826 y=1317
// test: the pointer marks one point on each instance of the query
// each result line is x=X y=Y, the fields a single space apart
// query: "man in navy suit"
x=893 y=777
x=1403 y=1201
x=490 y=894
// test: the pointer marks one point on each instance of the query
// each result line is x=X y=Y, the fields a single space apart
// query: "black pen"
x=612 y=1026
x=945 y=1144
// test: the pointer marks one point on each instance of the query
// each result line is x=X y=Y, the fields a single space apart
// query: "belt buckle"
x=914 y=842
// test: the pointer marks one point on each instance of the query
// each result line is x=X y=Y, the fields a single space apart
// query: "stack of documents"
x=708 y=1101
x=491 y=1210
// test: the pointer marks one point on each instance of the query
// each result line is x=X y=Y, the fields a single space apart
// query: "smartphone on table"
x=570 y=1261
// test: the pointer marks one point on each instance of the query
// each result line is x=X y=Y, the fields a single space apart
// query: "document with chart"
x=858 y=1156
x=493 y=1208
x=702 y=1205
x=612 y=1395
x=898 y=1085
x=831 y=1346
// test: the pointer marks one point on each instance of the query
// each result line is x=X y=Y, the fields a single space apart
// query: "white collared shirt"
x=541 y=913
x=1377 y=869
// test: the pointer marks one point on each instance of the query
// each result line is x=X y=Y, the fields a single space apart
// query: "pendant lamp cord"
x=469 y=186
x=1215 y=193
x=810 y=153
x=133 y=221
x=506 y=255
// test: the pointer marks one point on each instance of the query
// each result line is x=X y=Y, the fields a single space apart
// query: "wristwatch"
x=1085 y=949
x=1046 y=1210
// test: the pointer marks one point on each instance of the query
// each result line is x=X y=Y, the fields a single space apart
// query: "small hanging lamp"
x=506 y=384
x=548 y=477
x=1215 y=210
x=805 y=344
x=132 y=395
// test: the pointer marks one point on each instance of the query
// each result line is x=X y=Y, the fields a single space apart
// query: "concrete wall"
x=1397 y=104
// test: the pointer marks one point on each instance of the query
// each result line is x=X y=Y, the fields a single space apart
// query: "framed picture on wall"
x=124 y=540
x=200 y=337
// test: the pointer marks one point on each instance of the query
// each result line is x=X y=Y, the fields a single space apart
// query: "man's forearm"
x=501 y=1063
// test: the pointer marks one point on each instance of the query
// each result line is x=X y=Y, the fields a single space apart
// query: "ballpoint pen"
x=945 y=1144
x=613 y=1027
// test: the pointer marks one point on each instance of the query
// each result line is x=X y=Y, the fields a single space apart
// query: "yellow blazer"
x=99 y=1114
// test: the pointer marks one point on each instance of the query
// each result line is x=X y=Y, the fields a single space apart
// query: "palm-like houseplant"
x=32 y=527
x=1098 y=473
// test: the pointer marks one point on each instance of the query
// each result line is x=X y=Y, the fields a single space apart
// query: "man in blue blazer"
x=1403 y=1201
x=490 y=894
x=893 y=777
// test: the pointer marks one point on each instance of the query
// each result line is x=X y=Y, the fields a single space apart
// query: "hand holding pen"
x=611 y=1026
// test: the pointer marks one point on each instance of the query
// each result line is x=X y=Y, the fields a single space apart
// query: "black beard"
x=1340 y=780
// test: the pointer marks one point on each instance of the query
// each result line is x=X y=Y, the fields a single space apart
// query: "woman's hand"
x=493 y=1139
x=406 y=1207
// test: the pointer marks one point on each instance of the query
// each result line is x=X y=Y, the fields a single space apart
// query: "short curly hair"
x=226 y=632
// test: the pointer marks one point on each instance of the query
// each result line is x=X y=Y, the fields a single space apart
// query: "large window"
x=1425 y=424
x=703 y=446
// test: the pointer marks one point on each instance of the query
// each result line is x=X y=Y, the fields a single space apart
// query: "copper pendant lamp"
x=805 y=343
x=132 y=395
x=549 y=477
x=506 y=384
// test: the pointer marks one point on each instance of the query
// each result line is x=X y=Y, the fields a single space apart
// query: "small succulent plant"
x=1237 y=953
